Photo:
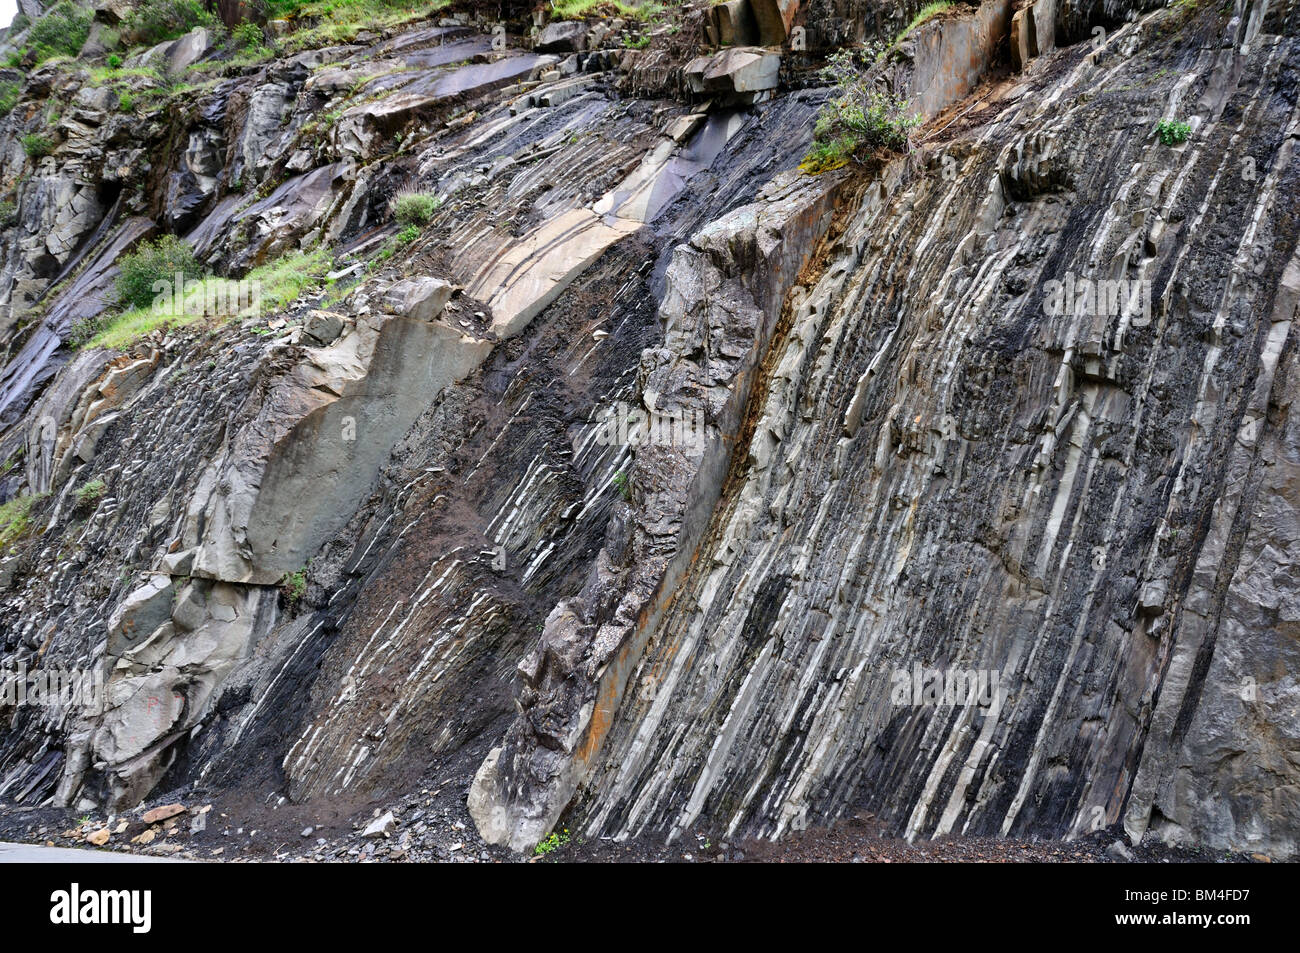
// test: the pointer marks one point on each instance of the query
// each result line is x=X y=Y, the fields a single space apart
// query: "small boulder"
x=162 y=813
x=187 y=51
x=380 y=826
x=99 y=838
x=566 y=36
x=420 y=298
x=323 y=327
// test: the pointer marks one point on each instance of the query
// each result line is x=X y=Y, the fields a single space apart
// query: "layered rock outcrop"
x=1013 y=404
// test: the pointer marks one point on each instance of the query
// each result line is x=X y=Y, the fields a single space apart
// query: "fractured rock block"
x=774 y=18
x=738 y=70
x=736 y=24
x=140 y=613
x=1033 y=32
x=567 y=36
x=323 y=327
x=420 y=298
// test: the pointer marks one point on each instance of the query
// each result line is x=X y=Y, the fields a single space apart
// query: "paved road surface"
x=33 y=854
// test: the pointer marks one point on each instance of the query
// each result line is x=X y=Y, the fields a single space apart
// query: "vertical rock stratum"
x=1004 y=409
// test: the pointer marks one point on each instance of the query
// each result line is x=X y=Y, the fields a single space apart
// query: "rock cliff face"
x=1011 y=407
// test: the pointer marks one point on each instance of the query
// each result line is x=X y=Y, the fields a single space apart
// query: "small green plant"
x=114 y=61
x=415 y=208
x=8 y=97
x=638 y=42
x=858 y=119
x=89 y=493
x=159 y=260
x=247 y=36
x=294 y=586
x=551 y=843
x=8 y=213
x=407 y=235
x=621 y=483
x=1173 y=131
x=37 y=146
x=125 y=102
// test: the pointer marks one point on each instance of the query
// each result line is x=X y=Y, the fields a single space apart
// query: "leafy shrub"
x=62 y=31
x=8 y=97
x=160 y=260
x=857 y=119
x=8 y=213
x=247 y=35
x=1173 y=131
x=294 y=586
x=415 y=208
x=157 y=20
x=407 y=235
x=114 y=61
x=37 y=146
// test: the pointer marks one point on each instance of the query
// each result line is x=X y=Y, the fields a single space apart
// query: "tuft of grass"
x=89 y=493
x=8 y=97
x=927 y=12
x=15 y=518
x=1173 y=131
x=415 y=208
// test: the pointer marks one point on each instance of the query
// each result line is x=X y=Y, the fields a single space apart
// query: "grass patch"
x=276 y=285
x=927 y=12
x=15 y=518
x=89 y=493
x=342 y=20
x=652 y=10
x=8 y=97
